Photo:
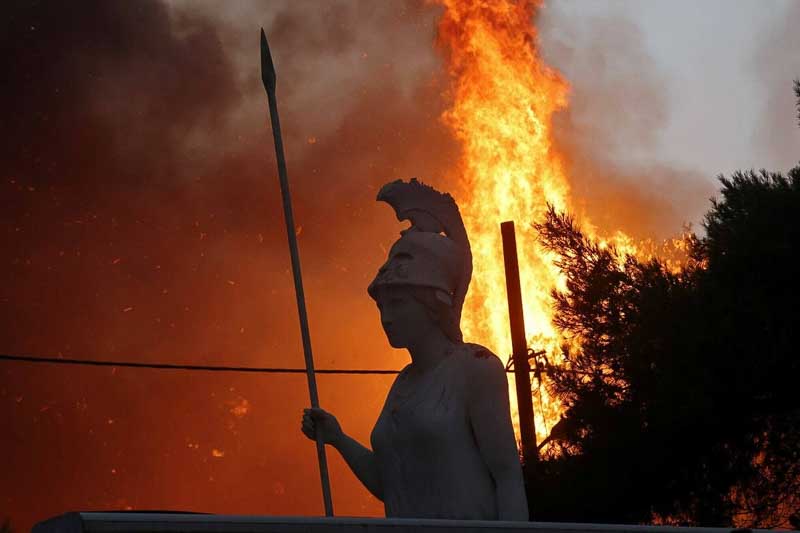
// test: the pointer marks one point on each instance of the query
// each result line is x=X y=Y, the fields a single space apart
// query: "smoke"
x=108 y=88
x=142 y=221
x=618 y=106
x=775 y=64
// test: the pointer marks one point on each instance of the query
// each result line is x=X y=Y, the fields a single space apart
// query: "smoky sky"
x=775 y=64
x=618 y=108
x=90 y=90
x=141 y=220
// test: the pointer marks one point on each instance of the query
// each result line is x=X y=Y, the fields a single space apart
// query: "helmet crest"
x=434 y=252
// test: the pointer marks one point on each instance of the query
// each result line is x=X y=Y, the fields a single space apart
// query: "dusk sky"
x=141 y=216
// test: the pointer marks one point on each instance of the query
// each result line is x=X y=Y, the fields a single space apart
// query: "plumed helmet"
x=434 y=252
x=421 y=259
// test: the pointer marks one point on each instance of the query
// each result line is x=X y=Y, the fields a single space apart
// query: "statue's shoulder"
x=477 y=351
x=480 y=359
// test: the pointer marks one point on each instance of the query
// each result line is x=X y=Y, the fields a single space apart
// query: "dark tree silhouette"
x=628 y=429
x=680 y=400
x=750 y=290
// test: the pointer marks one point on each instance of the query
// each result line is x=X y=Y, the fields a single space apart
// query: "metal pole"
x=522 y=368
x=268 y=77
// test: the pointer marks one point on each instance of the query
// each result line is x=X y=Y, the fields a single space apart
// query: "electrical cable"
x=171 y=366
x=216 y=368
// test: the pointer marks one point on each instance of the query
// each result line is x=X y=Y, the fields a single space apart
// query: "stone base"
x=163 y=522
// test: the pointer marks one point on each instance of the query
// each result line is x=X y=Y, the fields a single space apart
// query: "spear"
x=268 y=77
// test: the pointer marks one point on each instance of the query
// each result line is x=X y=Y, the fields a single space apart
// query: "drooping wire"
x=509 y=367
x=172 y=366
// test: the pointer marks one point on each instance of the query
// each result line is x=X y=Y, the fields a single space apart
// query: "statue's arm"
x=490 y=417
x=362 y=462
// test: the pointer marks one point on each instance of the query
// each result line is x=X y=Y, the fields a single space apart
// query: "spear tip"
x=267 y=67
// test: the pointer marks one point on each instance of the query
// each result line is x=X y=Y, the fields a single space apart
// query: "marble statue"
x=443 y=445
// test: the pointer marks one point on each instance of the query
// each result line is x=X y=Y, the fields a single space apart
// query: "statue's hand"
x=317 y=419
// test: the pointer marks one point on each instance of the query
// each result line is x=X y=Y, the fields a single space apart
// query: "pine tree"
x=680 y=398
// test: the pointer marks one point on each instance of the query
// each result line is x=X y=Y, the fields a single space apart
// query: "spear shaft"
x=269 y=79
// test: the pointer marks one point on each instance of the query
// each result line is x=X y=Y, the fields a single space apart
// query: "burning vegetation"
x=622 y=328
x=503 y=99
x=140 y=224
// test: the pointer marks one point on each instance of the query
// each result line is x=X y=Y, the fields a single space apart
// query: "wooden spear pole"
x=268 y=77
x=522 y=367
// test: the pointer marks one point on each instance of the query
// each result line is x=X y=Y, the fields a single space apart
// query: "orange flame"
x=504 y=97
x=503 y=100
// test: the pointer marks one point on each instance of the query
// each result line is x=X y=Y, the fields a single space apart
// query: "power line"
x=171 y=366
x=221 y=368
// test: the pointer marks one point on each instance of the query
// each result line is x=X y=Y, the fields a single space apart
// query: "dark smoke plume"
x=142 y=221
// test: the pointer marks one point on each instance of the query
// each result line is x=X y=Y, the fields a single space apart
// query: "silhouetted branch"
x=797 y=93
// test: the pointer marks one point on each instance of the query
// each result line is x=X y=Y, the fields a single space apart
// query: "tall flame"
x=504 y=97
x=503 y=100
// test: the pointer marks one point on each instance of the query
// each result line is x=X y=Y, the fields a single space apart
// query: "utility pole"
x=522 y=368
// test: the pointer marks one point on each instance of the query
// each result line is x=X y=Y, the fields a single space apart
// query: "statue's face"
x=403 y=317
